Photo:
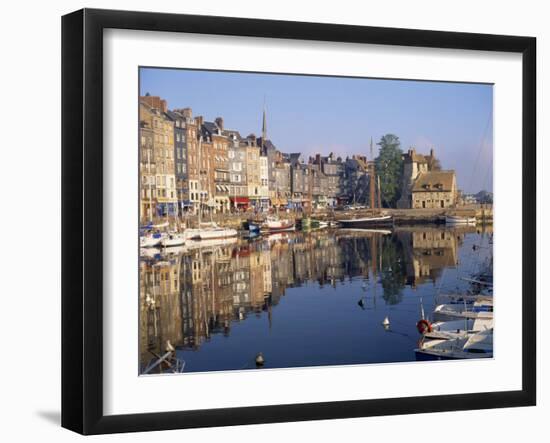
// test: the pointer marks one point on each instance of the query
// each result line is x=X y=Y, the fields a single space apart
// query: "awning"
x=243 y=200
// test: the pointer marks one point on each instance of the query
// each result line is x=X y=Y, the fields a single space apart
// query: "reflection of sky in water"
x=297 y=300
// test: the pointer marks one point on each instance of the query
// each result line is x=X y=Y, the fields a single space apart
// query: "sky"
x=311 y=114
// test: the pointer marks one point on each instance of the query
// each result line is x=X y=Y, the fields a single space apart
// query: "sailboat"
x=208 y=230
x=471 y=345
x=173 y=239
x=377 y=218
x=480 y=309
x=274 y=224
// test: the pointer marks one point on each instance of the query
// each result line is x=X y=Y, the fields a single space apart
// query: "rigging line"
x=481 y=146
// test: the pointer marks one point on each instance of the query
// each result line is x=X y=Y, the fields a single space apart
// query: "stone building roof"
x=412 y=156
x=434 y=181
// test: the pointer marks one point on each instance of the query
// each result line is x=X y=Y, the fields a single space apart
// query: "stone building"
x=264 y=182
x=319 y=186
x=283 y=191
x=238 y=187
x=180 y=160
x=163 y=150
x=333 y=169
x=206 y=167
x=148 y=199
x=220 y=161
x=253 y=170
x=424 y=184
x=434 y=189
x=190 y=189
x=355 y=180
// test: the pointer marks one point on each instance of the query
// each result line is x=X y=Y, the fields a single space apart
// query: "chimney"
x=432 y=153
x=187 y=113
x=155 y=102
x=219 y=122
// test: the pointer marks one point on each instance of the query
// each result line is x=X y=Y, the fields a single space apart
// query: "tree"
x=389 y=167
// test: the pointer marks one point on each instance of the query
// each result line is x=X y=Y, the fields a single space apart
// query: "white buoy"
x=386 y=322
x=260 y=359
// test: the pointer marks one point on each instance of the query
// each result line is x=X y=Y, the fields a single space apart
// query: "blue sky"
x=330 y=114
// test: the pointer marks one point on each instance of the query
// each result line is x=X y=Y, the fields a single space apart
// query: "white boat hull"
x=455 y=220
x=149 y=242
x=210 y=233
x=173 y=240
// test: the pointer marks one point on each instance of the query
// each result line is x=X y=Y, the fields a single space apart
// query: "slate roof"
x=434 y=181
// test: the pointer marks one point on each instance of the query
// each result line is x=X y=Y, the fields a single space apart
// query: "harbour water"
x=301 y=298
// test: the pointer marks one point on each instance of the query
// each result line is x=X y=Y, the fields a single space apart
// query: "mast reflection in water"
x=301 y=299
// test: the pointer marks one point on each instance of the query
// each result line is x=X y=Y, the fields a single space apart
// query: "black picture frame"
x=82 y=220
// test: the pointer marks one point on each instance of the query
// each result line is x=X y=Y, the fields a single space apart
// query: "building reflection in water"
x=190 y=296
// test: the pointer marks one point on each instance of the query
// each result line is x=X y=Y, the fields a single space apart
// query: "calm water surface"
x=302 y=299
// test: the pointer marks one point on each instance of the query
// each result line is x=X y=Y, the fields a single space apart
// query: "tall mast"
x=150 y=189
x=379 y=194
x=264 y=127
x=372 y=172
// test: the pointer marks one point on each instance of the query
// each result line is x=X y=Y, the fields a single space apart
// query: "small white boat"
x=474 y=345
x=459 y=326
x=480 y=309
x=278 y=225
x=150 y=240
x=209 y=231
x=173 y=239
x=461 y=299
x=459 y=220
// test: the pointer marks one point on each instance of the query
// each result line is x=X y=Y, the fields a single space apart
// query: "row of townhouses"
x=187 y=163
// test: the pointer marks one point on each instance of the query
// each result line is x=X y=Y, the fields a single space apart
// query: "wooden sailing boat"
x=275 y=224
x=377 y=218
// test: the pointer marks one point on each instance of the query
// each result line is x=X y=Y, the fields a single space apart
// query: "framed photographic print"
x=269 y=221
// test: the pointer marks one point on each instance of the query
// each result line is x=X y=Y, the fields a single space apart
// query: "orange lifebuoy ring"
x=424 y=326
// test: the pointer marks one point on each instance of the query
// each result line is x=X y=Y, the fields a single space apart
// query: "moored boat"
x=368 y=222
x=150 y=240
x=480 y=309
x=278 y=225
x=474 y=345
x=459 y=220
x=173 y=239
x=209 y=231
